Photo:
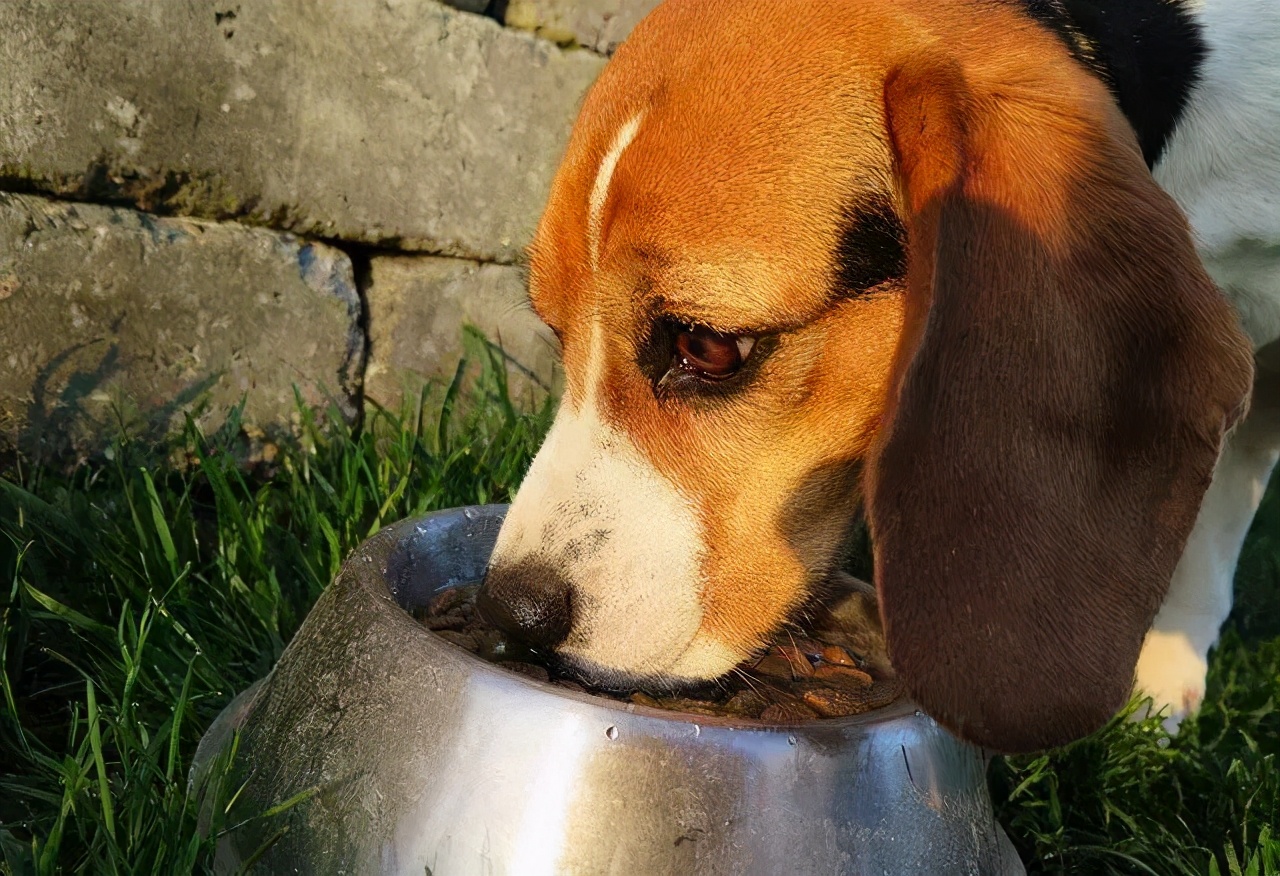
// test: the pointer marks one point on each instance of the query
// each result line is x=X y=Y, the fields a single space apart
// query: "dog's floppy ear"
x=1065 y=379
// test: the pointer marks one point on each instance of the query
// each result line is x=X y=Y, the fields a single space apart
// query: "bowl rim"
x=894 y=710
x=398 y=532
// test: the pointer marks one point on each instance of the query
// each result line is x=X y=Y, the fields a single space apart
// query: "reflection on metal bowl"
x=400 y=753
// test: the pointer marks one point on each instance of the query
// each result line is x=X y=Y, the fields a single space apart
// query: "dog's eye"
x=711 y=354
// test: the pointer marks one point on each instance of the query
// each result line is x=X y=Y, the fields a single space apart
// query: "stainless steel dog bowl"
x=396 y=752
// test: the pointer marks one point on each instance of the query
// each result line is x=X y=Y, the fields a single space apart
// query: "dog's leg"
x=1174 y=659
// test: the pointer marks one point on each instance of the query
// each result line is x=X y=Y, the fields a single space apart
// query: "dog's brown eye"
x=710 y=353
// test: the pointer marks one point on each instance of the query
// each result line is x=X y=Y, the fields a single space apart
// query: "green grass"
x=138 y=594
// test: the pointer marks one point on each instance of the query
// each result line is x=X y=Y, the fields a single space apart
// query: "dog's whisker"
x=747 y=680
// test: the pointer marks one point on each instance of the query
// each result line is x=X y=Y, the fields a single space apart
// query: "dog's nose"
x=530 y=601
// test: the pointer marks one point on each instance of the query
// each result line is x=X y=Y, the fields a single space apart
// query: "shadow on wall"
x=351 y=200
x=60 y=420
x=79 y=410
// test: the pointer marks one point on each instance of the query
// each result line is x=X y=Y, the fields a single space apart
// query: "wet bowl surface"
x=401 y=753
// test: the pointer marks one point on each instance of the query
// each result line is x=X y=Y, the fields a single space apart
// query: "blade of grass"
x=95 y=740
x=179 y=709
x=161 y=525
x=70 y=615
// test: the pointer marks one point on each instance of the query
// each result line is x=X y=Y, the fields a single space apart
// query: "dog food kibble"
x=839 y=669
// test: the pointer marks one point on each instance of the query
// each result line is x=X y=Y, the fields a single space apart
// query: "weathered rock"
x=600 y=25
x=110 y=316
x=418 y=307
x=402 y=123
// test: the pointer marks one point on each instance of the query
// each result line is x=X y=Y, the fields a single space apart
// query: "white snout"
x=630 y=545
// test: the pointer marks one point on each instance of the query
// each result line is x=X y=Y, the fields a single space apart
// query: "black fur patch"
x=1149 y=53
x=872 y=247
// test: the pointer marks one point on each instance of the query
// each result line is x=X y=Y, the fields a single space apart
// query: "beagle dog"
x=927 y=260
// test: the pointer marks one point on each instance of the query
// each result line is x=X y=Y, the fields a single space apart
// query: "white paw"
x=1171 y=671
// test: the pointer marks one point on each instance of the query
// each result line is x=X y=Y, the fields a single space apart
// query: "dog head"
x=904 y=256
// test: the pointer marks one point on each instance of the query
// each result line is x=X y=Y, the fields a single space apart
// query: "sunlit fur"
x=728 y=223
x=706 y=182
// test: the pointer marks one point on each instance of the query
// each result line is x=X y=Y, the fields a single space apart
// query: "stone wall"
x=216 y=201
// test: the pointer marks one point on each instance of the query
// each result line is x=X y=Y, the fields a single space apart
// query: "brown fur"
x=1065 y=384
x=1056 y=369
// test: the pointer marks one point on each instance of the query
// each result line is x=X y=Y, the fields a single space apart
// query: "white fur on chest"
x=1222 y=164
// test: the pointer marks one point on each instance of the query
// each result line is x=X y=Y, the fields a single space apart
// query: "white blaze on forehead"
x=595 y=368
x=593 y=506
x=600 y=191
x=596 y=508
